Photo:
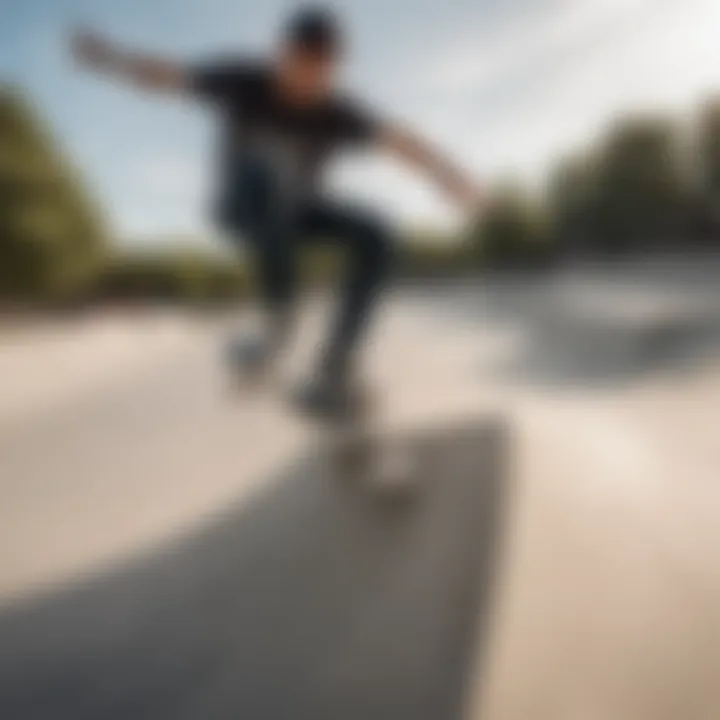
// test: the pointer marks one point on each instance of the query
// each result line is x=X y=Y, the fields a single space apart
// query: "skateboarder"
x=283 y=117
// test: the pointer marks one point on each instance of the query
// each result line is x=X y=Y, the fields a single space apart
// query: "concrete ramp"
x=596 y=331
x=315 y=599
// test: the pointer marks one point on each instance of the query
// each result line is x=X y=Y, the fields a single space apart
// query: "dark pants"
x=274 y=231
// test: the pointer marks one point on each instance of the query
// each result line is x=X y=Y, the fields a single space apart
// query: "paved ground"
x=602 y=534
x=313 y=600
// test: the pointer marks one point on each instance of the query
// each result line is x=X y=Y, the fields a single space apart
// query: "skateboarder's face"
x=307 y=76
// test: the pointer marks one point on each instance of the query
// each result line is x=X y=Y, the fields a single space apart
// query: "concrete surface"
x=316 y=599
x=605 y=552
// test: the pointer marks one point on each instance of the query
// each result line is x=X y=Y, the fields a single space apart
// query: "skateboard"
x=351 y=438
x=359 y=452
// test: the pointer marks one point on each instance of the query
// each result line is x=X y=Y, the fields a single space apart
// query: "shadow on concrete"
x=316 y=599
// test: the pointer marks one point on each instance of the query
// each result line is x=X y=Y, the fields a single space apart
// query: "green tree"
x=572 y=200
x=640 y=186
x=708 y=152
x=705 y=207
x=171 y=275
x=513 y=232
x=51 y=234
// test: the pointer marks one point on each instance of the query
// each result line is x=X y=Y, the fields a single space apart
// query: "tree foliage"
x=52 y=237
x=708 y=152
x=641 y=187
x=638 y=189
x=171 y=276
x=514 y=231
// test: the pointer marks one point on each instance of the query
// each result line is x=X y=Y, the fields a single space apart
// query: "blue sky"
x=505 y=86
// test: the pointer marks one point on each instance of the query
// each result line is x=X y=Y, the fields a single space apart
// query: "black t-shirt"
x=295 y=139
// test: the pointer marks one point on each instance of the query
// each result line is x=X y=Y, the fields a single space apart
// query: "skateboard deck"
x=360 y=451
x=352 y=440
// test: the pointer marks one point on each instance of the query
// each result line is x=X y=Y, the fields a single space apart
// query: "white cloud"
x=565 y=29
x=542 y=88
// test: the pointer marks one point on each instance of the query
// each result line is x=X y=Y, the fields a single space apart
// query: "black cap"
x=315 y=30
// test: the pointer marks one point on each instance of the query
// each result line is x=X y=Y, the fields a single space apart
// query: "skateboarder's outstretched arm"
x=144 y=71
x=420 y=154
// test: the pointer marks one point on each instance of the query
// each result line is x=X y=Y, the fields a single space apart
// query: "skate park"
x=523 y=201
x=201 y=561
